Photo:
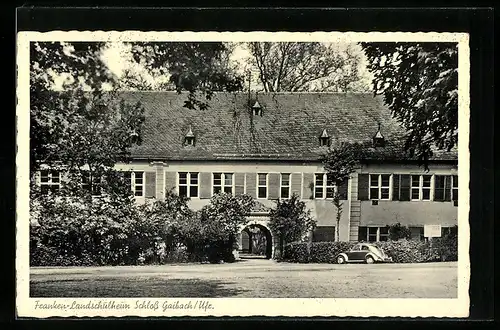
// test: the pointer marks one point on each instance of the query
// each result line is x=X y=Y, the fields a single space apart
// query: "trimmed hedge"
x=296 y=252
x=401 y=251
x=327 y=252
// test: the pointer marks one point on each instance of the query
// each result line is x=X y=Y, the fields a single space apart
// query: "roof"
x=288 y=129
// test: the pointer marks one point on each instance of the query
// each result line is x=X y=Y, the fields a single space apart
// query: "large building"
x=269 y=146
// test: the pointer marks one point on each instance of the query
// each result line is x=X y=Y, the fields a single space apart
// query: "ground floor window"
x=324 y=234
x=417 y=233
x=373 y=234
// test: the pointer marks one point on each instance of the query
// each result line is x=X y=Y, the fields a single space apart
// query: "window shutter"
x=296 y=184
x=239 y=183
x=439 y=184
x=342 y=189
x=251 y=184
x=363 y=182
x=395 y=187
x=308 y=186
x=273 y=185
x=405 y=187
x=447 y=188
x=170 y=180
x=150 y=185
x=205 y=185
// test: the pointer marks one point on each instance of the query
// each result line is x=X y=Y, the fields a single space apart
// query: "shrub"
x=407 y=251
x=396 y=232
x=446 y=247
x=327 y=252
x=296 y=252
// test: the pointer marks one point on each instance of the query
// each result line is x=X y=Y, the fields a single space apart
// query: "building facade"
x=269 y=147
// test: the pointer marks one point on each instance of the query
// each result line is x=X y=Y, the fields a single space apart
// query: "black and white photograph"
x=163 y=174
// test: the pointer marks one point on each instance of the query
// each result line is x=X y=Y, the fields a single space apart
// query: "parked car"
x=364 y=252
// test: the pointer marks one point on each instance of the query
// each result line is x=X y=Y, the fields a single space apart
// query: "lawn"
x=251 y=279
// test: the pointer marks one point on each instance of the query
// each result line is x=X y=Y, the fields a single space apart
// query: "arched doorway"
x=256 y=241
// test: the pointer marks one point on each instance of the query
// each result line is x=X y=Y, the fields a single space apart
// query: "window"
x=50 y=180
x=417 y=233
x=380 y=186
x=373 y=234
x=135 y=181
x=324 y=234
x=223 y=182
x=285 y=185
x=188 y=184
x=454 y=187
x=262 y=185
x=324 y=186
x=421 y=187
x=93 y=187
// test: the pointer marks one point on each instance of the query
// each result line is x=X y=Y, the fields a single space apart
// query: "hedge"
x=327 y=252
x=401 y=251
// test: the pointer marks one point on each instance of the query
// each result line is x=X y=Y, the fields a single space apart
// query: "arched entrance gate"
x=256 y=239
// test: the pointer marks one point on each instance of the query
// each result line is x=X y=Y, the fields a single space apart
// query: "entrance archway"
x=256 y=240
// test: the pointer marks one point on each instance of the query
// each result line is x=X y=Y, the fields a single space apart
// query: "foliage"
x=446 y=246
x=197 y=67
x=290 y=220
x=419 y=82
x=305 y=66
x=341 y=161
x=408 y=251
x=396 y=232
x=327 y=252
x=221 y=221
x=296 y=252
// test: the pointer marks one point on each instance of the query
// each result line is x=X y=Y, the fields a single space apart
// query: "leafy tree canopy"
x=419 y=82
x=306 y=66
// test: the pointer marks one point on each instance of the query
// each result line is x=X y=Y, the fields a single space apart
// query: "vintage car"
x=364 y=252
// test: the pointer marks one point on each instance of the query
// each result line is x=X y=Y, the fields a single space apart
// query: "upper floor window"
x=50 y=180
x=94 y=186
x=421 y=187
x=223 y=182
x=135 y=181
x=373 y=234
x=262 y=185
x=188 y=184
x=380 y=186
x=324 y=186
x=285 y=185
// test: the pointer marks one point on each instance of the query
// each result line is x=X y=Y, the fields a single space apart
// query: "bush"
x=327 y=252
x=446 y=247
x=408 y=251
x=296 y=252
x=396 y=232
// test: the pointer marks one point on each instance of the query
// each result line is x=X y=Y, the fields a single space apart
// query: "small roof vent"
x=257 y=109
x=324 y=138
x=378 y=138
x=189 y=138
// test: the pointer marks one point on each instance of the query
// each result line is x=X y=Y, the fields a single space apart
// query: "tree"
x=396 y=232
x=197 y=67
x=221 y=221
x=305 y=66
x=290 y=220
x=339 y=164
x=419 y=82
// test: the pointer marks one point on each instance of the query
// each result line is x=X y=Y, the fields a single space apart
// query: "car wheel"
x=370 y=260
x=340 y=260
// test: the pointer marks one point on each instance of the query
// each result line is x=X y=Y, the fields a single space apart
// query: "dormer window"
x=324 y=139
x=189 y=138
x=378 y=139
x=257 y=109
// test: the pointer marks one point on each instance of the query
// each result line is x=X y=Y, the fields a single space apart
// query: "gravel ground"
x=251 y=279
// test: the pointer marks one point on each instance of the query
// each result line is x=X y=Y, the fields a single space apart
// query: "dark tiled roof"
x=289 y=128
